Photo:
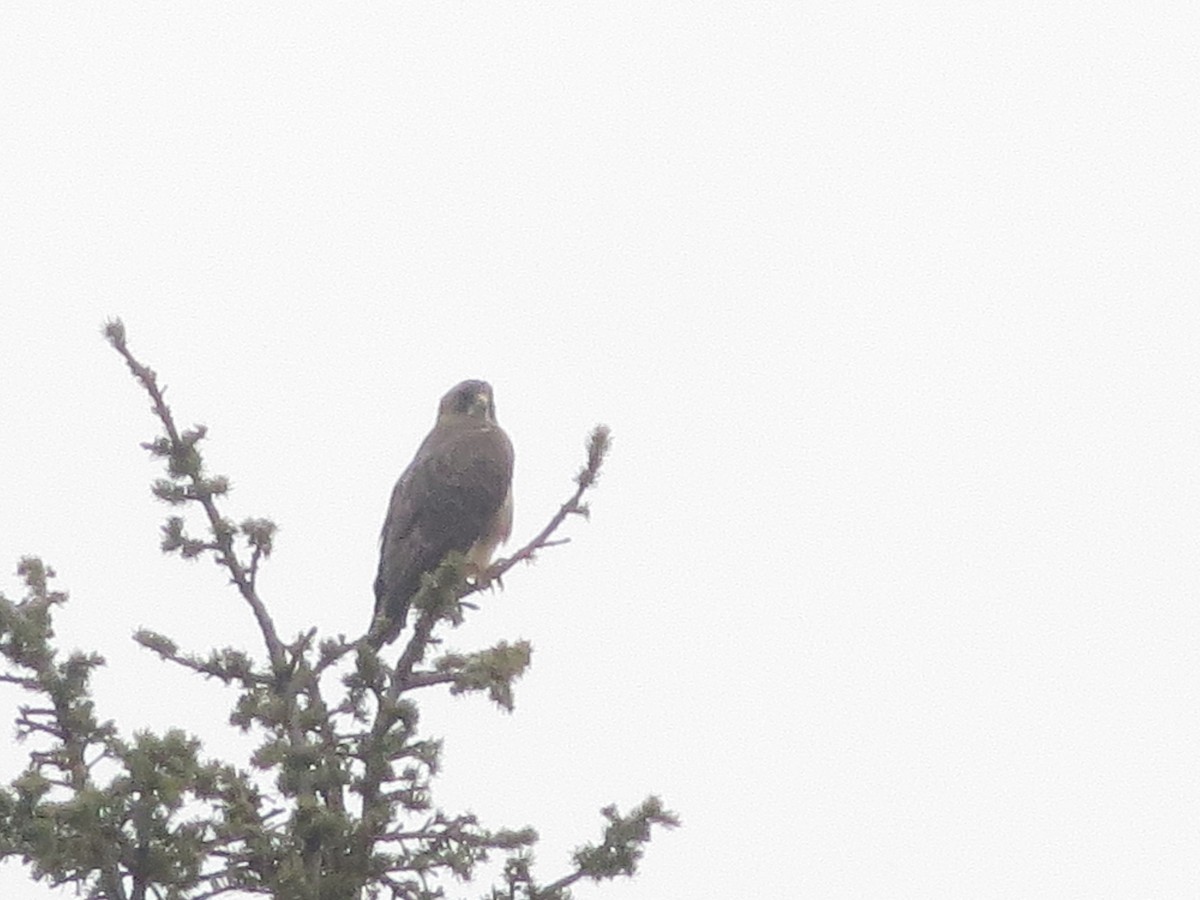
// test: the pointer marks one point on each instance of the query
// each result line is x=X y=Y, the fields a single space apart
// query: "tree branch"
x=599 y=443
x=184 y=462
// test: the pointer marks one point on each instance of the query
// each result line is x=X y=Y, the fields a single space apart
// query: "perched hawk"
x=456 y=494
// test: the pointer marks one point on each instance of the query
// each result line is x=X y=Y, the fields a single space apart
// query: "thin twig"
x=563 y=882
x=425 y=679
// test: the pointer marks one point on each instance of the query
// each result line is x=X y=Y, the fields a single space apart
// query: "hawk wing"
x=454 y=495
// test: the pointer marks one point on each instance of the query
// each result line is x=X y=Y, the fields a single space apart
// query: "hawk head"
x=468 y=399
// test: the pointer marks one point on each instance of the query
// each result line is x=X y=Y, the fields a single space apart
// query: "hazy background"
x=890 y=588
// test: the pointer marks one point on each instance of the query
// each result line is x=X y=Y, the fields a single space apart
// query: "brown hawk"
x=456 y=494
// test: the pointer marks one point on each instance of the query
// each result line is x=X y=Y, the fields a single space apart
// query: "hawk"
x=456 y=494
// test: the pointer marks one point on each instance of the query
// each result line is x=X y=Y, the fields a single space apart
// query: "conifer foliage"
x=336 y=801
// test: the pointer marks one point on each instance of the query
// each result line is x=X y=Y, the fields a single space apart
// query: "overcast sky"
x=890 y=588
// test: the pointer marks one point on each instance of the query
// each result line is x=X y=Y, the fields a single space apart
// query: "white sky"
x=891 y=584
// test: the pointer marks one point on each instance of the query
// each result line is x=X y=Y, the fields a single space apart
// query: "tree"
x=335 y=803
